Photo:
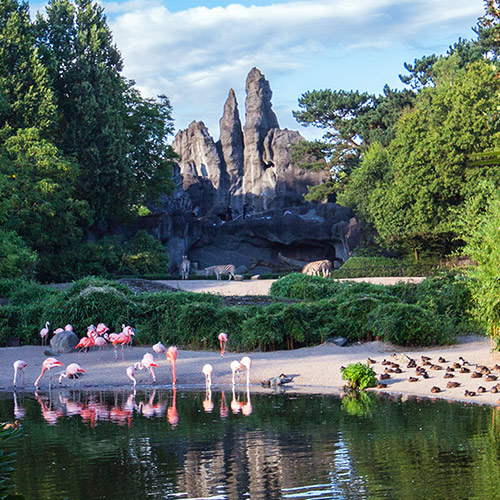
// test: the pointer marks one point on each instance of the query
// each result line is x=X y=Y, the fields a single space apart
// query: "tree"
x=148 y=125
x=26 y=97
x=37 y=188
x=425 y=173
x=353 y=121
x=84 y=66
x=488 y=29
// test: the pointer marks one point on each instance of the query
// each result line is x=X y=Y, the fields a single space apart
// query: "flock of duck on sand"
x=461 y=366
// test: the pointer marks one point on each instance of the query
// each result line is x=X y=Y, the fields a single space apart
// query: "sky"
x=195 y=51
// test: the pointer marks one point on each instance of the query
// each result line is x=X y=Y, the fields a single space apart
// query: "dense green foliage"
x=79 y=145
x=432 y=312
x=359 y=376
x=401 y=160
x=7 y=460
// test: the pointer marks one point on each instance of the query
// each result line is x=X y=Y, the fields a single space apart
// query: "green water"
x=161 y=445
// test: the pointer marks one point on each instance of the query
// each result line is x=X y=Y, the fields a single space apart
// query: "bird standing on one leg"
x=44 y=333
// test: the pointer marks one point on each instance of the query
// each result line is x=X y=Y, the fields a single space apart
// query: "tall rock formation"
x=250 y=166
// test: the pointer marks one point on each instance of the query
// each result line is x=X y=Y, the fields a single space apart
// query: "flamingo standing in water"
x=19 y=366
x=207 y=370
x=73 y=371
x=44 y=333
x=222 y=340
x=172 y=356
x=48 y=364
x=247 y=363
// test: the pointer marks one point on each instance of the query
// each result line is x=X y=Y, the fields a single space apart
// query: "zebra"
x=318 y=266
x=185 y=267
x=219 y=270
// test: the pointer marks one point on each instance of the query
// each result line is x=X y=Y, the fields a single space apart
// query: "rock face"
x=65 y=341
x=251 y=165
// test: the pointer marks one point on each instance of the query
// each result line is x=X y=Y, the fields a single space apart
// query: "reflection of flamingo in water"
x=49 y=415
x=151 y=409
x=235 y=404
x=19 y=411
x=246 y=409
x=223 y=410
x=222 y=340
x=207 y=371
x=172 y=357
x=208 y=406
x=172 y=414
x=48 y=364
x=19 y=366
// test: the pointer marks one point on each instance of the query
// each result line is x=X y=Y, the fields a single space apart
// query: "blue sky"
x=195 y=51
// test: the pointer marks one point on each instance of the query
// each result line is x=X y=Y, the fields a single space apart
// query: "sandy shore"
x=313 y=369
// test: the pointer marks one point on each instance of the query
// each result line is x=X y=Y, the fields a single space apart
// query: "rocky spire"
x=231 y=143
x=260 y=119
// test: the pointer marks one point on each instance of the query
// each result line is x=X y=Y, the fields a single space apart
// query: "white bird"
x=131 y=374
x=147 y=362
x=247 y=363
x=159 y=348
x=235 y=366
x=207 y=371
x=44 y=333
x=73 y=371
x=19 y=366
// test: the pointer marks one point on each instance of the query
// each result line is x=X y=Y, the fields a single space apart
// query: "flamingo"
x=148 y=362
x=235 y=366
x=207 y=371
x=86 y=342
x=101 y=329
x=247 y=363
x=73 y=371
x=58 y=330
x=48 y=364
x=44 y=333
x=123 y=338
x=100 y=342
x=68 y=328
x=222 y=340
x=159 y=348
x=19 y=365
x=172 y=356
x=131 y=374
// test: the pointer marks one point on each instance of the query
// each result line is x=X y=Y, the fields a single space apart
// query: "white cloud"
x=194 y=56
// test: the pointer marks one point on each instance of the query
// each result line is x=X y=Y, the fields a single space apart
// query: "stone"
x=340 y=341
x=64 y=341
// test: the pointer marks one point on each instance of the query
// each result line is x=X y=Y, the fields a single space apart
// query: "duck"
x=10 y=425
x=462 y=361
x=425 y=358
x=481 y=389
x=413 y=379
x=442 y=360
x=435 y=367
x=452 y=385
x=435 y=389
x=464 y=370
x=384 y=376
x=381 y=386
x=476 y=375
x=275 y=381
x=449 y=375
x=411 y=364
x=450 y=369
x=494 y=390
x=370 y=361
x=490 y=378
x=469 y=393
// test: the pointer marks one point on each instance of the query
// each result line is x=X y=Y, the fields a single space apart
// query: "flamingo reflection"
x=223 y=410
x=172 y=414
x=208 y=406
x=50 y=416
x=19 y=411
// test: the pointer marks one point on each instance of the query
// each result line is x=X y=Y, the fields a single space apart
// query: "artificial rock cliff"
x=250 y=165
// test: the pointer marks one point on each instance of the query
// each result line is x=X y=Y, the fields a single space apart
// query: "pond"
x=167 y=444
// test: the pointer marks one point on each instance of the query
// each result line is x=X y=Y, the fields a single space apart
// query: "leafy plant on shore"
x=359 y=376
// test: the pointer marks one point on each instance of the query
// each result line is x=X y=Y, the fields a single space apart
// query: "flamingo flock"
x=99 y=336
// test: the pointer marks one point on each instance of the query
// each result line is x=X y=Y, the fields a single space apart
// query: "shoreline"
x=314 y=370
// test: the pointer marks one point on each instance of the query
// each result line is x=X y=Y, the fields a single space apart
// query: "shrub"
x=143 y=254
x=410 y=325
x=16 y=258
x=359 y=376
x=302 y=286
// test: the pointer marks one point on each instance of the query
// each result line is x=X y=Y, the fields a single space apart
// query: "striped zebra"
x=185 y=267
x=317 y=268
x=219 y=270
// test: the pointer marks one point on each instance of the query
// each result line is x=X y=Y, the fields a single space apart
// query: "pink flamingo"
x=123 y=338
x=44 y=333
x=68 y=328
x=101 y=329
x=100 y=342
x=58 y=330
x=147 y=362
x=48 y=364
x=207 y=370
x=159 y=348
x=131 y=374
x=19 y=366
x=247 y=363
x=172 y=356
x=73 y=371
x=86 y=342
x=235 y=366
x=222 y=340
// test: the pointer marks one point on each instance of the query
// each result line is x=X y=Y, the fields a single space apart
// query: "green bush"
x=16 y=258
x=410 y=325
x=143 y=254
x=359 y=376
x=302 y=286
